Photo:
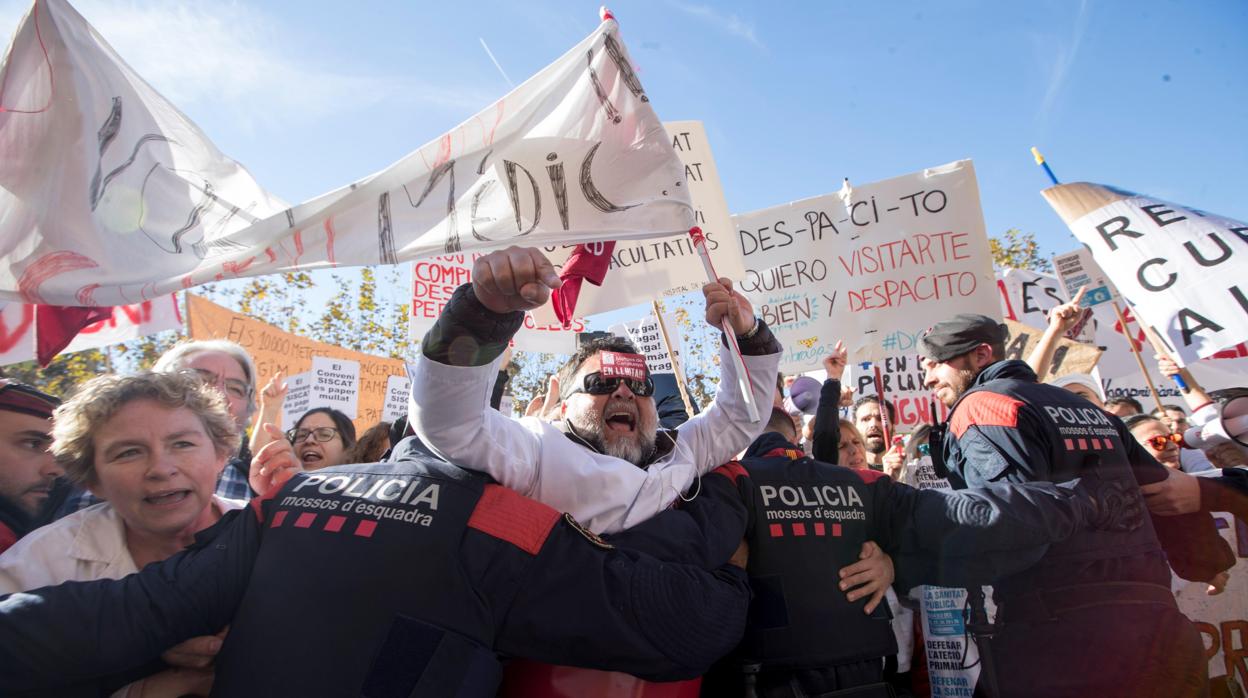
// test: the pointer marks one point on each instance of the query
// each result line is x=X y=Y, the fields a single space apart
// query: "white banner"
x=872 y=265
x=111 y=196
x=17 y=337
x=644 y=271
x=1183 y=270
x=435 y=279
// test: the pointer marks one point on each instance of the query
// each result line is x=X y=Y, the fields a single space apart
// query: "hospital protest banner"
x=642 y=271
x=274 y=350
x=112 y=195
x=647 y=335
x=435 y=279
x=872 y=265
x=1222 y=619
x=127 y=322
x=1181 y=269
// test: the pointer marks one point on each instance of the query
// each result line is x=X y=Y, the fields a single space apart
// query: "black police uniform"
x=808 y=519
x=400 y=579
x=1095 y=617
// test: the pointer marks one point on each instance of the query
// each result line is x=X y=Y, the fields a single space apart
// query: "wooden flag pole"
x=1135 y=351
x=676 y=366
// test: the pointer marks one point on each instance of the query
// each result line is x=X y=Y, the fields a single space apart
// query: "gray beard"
x=636 y=451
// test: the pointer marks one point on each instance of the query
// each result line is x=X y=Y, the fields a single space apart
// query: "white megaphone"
x=1223 y=421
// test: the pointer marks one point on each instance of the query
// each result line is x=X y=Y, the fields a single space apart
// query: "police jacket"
x=405 y=578
x=1009 y=428
x=808 y=519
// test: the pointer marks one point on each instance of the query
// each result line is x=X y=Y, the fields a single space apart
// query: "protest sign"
x=873 y=265
x=127 y=322
x=113 y=196
x=647 y=336
x=1181 y=269
x=435 y=279
x=1068 y=357
x=644 y=271
x=1028 y=296
x=336 y=384
x=1222 y=619
x=398 y=389
x=1078 y=270
x=298 y=399
x=274 y=350
x=901 y=378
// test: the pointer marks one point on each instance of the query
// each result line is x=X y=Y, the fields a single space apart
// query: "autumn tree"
x=1018 y=250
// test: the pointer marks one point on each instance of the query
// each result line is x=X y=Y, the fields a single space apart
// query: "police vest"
x=360 y=578
x=1082 y=441
x=809 y=520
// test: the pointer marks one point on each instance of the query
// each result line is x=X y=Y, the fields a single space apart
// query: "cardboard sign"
x=398 y=389
x=336 y=384
x=435 y=279
x=298 y=399
x=1069 y=357
x=1183 y=270
x=619 y=365
x=1028 y=296
x=274 y=350
x=873 y=265
x=642 y=271
x=1078 y=270
x=648 y=336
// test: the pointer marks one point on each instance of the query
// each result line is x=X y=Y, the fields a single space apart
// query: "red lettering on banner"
x=9 y=338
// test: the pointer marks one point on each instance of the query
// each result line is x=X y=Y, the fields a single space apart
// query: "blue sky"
x=1148 y=96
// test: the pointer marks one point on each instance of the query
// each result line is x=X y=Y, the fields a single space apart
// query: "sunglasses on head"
x=595 y=384
x=1159 y=442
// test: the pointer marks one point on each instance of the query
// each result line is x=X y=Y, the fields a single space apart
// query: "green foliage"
x=1018 y=250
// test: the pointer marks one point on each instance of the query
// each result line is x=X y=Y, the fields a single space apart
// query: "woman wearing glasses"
x=321 y=438
x=1154 y=435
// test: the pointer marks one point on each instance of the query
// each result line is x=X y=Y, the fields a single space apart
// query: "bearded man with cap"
x=1095 y=615
x=27 y=469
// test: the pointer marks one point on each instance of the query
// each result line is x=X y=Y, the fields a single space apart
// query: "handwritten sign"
x=274 y=350
x=436 y=278
x=872 y=265
x=1182 y=269
x=648 y=337
x=298 y=399
x=642 y=271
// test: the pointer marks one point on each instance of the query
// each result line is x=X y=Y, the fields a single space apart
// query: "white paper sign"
x=873 y=265
x=298 y=399
x=336 y=384
x=653 y=269
x=1183 y=270
x=1078 y=270
x=648 y=337
x=398 y=390
x=110 y=195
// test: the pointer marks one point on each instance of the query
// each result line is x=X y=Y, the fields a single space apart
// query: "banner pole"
x=884 y=422
x=677 y=368
x=1135 y=351
x=743 y=373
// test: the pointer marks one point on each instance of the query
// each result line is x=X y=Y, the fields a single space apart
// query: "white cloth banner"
x=17 y=337
x=644 y=271
x=1183 y=270
x=109 y=195
x=873 y=265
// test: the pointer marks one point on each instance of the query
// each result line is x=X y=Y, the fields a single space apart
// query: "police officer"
x=809 y=518
x=1095 y=616
x=405 y=578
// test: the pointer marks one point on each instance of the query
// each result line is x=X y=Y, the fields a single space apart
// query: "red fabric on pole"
x=56 y=326
x=586 y=263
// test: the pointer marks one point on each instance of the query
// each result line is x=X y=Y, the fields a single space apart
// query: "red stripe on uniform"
x=799 y=529
x=1070 y=445
x=985 y=409
x=1096 y=444
x=335 y=523
x=776 y=530
x=305 y=520
x=866 y=475
x=1109 y=445
x=365 y=529
x=278 y=518
x=732 y=470
x=820 y=530
x=1083 y=444
x=506 y=515
x=836 y=530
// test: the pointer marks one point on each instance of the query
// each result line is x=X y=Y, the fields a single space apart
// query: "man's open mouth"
x=621 y=421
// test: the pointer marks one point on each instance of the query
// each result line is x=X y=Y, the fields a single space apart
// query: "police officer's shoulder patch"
x=589 y=535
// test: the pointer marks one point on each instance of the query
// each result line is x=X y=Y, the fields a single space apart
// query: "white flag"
x=109 y=195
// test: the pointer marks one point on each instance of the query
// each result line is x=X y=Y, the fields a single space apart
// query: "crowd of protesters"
x=129 y=470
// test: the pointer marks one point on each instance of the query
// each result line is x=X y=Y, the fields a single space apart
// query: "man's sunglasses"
x=1159 y=442
x=595 y=384
x=319 y=435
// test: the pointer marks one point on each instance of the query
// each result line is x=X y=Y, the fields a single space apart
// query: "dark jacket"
x=401 y=578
